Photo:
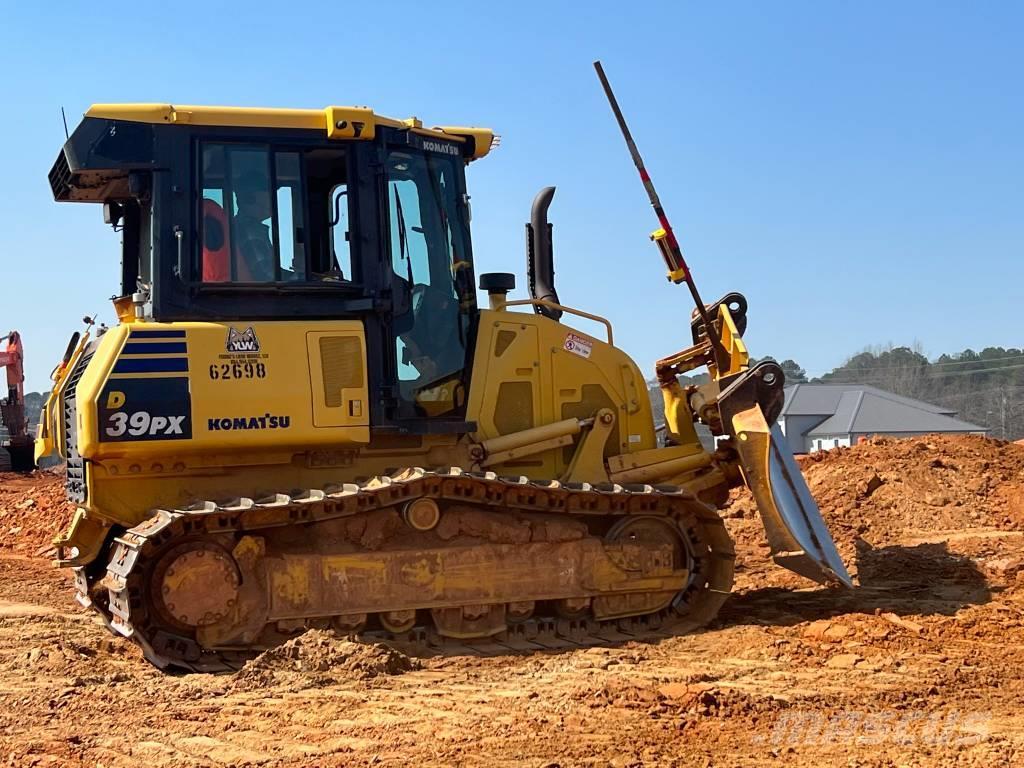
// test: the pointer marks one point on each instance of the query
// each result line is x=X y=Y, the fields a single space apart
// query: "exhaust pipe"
x=540 y=267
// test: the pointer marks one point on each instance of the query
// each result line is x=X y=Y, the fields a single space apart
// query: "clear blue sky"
x=856 y=169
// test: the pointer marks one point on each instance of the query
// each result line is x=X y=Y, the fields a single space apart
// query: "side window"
x=251 y=228
x=288 y=191
x=330 y=205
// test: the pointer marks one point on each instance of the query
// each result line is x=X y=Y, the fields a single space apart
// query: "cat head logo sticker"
x=242 y=341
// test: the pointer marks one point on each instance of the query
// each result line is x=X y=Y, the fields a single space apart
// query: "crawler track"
x=123 y=596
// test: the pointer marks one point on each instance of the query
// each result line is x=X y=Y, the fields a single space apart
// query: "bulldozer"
x=303 y=418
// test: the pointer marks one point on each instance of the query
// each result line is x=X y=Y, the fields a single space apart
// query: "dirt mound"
x=888 y=487
x=33 y=509
x=319 y=657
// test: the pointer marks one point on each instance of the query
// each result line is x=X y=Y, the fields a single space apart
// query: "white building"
x=817 y=417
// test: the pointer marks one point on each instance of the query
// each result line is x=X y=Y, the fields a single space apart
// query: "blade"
x=797 y=534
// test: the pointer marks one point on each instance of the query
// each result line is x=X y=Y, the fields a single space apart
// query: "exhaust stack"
x=540 y=267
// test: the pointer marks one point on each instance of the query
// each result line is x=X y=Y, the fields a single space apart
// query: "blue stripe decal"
x=152 y=365
x=154 y=348
x=158 y=334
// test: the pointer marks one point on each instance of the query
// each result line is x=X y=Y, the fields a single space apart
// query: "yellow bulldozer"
x=302 y=417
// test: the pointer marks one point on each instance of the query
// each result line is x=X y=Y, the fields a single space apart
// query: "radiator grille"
x=342 y=364
x=74 y=482
x=60 y=178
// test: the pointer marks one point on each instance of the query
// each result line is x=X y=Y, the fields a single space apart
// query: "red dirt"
x=33 y=509
x=922 y=665
x=931 y=486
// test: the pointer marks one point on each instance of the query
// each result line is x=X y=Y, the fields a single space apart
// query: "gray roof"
x=868 y=410
x=823 y=399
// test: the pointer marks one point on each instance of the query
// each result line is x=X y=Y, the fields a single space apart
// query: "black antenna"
x=65 y=119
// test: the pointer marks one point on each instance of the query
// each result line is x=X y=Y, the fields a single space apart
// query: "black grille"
x=74 y=482
x=60 y=178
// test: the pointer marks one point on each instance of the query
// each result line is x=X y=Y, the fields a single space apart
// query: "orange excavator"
x=16 y=449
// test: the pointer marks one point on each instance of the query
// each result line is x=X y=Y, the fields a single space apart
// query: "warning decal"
x=578 y=345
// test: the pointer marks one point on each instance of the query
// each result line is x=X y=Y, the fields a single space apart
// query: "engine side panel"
x=530 y=371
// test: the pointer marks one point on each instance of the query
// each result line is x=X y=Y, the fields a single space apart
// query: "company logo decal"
x=441 y=146
x=266 y=421
x=242 y=341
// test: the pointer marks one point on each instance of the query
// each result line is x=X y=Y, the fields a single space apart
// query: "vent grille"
x=74 y=482
x=60 y=178
x=513 y=409
x=341 y=360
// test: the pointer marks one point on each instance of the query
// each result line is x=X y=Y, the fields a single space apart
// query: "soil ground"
x=921 y=665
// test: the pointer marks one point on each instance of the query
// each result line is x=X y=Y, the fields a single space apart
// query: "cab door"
x=432 y=276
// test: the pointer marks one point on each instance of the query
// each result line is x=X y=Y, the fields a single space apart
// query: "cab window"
x=430 y=263
x=326 y=173
x=251 y=226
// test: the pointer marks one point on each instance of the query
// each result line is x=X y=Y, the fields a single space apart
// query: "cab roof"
x=336 y=122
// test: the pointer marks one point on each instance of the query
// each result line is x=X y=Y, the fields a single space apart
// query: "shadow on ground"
x=920 y=580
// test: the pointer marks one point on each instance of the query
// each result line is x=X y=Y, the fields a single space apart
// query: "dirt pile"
x=33 y=509
x=884 y=488
x=319 y=657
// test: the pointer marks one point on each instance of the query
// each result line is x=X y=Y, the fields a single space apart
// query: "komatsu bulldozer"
x=302 y=418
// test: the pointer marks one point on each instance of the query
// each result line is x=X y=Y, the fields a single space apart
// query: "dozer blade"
x=797 y=534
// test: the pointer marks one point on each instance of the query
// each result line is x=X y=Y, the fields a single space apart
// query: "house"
x=817 y=417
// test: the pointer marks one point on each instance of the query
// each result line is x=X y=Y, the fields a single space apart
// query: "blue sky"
x=856 y=169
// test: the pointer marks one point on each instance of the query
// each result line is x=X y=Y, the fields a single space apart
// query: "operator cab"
x=241 y=215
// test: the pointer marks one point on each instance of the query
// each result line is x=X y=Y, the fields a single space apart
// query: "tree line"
x=984 y=388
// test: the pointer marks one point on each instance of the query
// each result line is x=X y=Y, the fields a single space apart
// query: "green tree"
x=794 y=373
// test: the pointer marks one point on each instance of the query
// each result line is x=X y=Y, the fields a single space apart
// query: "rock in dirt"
x=319 y=657
x=843 y=661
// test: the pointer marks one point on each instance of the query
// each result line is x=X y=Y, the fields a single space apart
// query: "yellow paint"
x=739 y=359
x=291 y=584
x=336 y=122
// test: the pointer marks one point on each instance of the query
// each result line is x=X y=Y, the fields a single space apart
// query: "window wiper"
x=403 y=239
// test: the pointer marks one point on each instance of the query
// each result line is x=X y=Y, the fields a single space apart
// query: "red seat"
x=217 y=247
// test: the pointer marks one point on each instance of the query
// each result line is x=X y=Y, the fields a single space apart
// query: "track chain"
x=125 y=586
